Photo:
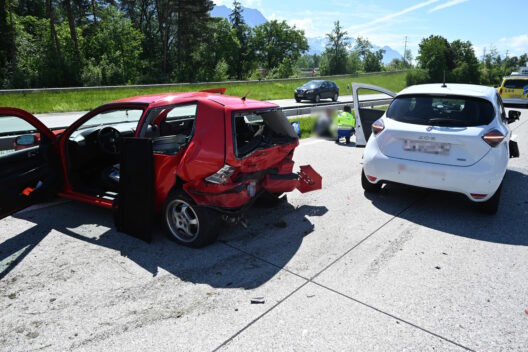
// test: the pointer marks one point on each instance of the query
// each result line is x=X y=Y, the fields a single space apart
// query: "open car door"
x=366 y=116
x=29 y=165
x=134 y=205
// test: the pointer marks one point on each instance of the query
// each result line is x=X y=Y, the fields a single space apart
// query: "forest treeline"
x=59 y=43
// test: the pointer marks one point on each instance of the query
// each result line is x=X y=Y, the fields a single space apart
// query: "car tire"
x=298 y=100
x=491 y=206
x=187 y=223
x=317 y=99
x=335 y=97
x=369 y=187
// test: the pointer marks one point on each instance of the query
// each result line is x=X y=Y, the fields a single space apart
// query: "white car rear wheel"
x=369 y=187
x=491 y=206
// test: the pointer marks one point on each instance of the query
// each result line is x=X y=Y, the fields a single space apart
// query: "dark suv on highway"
x=317 y=90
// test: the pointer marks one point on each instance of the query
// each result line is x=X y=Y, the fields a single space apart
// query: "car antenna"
x=245 y=96
x=444 y=85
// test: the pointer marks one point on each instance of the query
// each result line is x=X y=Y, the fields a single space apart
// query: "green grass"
x=42 y=102
x=307 y=125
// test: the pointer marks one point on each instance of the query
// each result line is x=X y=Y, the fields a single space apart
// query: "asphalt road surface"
x=58 y=120
x=405 y=269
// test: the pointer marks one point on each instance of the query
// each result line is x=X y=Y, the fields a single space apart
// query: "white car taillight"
x=493 y=138
x=222 y=175
x=377 y=127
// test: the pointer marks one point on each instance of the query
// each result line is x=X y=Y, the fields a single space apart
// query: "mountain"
x=318 y=46
x=390 y=54
x=252 y=17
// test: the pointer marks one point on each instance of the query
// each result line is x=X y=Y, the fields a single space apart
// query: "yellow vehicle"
x=514 y=90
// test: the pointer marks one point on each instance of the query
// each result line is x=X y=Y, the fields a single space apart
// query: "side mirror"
x=513 y=116
x=25 y=141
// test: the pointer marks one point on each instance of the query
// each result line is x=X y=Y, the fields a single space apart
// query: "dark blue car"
x=317 y=90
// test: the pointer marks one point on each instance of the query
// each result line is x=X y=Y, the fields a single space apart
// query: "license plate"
x=300 y=95
x=427 y=147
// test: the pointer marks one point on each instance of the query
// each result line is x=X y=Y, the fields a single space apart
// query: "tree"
x=113 y=50
x=164 y=11
x=54 y=37
x=436 y=57
x=73 y=30
x=192 y=17
x=466 y=63
x=277 y=41
x=215 y=64
x=242 y=57
x=354 y=63
x=336 y=50
x=373 y=61
x=7 y=42
x=362 y=47
x=407 y=58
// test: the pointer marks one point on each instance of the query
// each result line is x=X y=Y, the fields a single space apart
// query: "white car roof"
x=469 y=90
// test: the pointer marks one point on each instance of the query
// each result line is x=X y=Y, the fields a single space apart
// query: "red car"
x=195 y=158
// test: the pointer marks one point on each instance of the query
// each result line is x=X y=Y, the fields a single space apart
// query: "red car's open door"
x=29 y=167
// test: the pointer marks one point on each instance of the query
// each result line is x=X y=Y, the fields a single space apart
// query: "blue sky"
x=486 y=23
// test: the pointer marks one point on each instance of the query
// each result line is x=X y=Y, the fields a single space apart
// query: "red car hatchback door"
x=29 y=166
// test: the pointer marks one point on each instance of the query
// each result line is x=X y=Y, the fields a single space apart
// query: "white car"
x=452 y=137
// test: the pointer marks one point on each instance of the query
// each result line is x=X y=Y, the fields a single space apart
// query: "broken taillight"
x=222 y=175
x=493 y=138
x=377 y=127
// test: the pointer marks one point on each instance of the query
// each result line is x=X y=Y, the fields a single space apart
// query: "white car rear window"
x=456 y=111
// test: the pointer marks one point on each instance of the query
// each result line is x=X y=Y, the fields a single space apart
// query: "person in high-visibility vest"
x=346 y=124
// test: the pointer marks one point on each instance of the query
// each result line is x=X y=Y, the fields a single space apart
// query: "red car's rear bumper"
x=239 y=195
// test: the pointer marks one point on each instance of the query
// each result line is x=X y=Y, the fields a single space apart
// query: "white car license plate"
x=427 y=147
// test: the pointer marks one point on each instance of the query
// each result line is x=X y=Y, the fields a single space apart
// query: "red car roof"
x=161 y=99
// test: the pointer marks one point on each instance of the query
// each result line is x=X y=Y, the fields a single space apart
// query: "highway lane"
x=59 y=120
x=405 y=269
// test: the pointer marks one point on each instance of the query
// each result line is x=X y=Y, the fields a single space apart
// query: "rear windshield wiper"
x=446 y=122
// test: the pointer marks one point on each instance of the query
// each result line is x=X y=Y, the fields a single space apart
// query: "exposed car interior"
x=93 y=149
x=257 y=130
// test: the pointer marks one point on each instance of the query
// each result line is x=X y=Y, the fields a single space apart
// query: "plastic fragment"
x=258 y=300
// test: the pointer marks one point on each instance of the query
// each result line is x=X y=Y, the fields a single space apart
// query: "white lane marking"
x=312 y=142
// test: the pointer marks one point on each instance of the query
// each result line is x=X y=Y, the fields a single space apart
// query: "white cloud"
x=447 y=4
x=388 y=18
x=305 y=24
x=515 y=45
x=245 y=3
x=223 y=2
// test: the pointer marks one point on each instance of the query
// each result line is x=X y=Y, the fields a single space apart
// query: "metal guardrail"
x=295 y=111
x=168 y=85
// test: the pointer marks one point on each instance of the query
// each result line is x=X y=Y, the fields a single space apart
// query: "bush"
x=91 y=74
x=284 y=70
x=416 y=76
x=221 y=71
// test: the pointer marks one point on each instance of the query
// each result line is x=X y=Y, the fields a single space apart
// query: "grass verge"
x=42 y=102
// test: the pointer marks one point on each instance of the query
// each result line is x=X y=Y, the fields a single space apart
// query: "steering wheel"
x=108 y=140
